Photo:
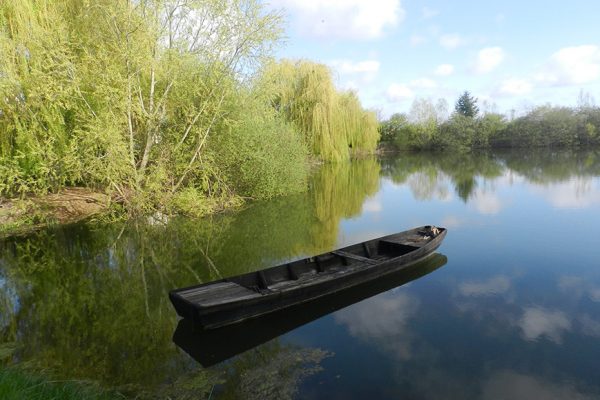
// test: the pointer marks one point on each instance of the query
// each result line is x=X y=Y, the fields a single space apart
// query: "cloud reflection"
x=486 y=203
x=577 y=192
x=537 y=322
x=589 y=326
x=382 y=319
x=452 y=221
x=578 y=287
x=507 y=384
x=372 y=205
x=492 y=286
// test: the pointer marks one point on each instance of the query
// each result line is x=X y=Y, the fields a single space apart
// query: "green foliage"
x=552 y=127
x=457 y=133
x=332 y=122
x=89 y=301
x=128 y=96
x=466 y=105
x=543 y=126
x=261 y=154
x=419 y=129
x=272 y=371
x=489 y=126
x=391 y=129
x=18 y=384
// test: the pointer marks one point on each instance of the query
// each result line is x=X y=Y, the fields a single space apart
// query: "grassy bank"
x=21 y=216
x=18 y=385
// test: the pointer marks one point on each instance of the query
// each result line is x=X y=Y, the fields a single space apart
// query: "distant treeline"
x=169 y=105
x=427 y=126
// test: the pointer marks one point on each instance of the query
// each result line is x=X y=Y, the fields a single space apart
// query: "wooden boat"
x=235 y=299
x=211 y=346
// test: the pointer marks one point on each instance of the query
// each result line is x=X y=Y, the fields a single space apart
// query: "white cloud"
x=488 y=59
x=493 y=286
x=428 y=12
x=349 y=67
x=515 y=87
x=355 y=19
x=364 y=71
x=416 y=40
x=451 y=41
x=423 y=83
x=444 y=70
x=537 y=322
x=398 y=93
x=571 y=66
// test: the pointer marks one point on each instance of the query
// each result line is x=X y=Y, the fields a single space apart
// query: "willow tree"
x=330 y=121
x=361 y=127
x=122 y=94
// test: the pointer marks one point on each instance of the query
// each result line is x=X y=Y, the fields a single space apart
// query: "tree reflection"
x=271 y=371
x=90 y=301
x=428 y=174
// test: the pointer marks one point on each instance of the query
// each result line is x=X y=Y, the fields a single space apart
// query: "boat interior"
x=371 y=252
x=323 y=266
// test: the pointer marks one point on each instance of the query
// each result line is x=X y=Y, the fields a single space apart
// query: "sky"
x=511 y=55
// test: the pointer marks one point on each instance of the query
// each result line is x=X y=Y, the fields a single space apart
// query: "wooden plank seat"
x=352 y=256
x=221 y=292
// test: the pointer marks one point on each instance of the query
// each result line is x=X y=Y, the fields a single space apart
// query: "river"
x=510 y=310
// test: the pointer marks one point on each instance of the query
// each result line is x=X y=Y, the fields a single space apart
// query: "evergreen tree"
x=466 y=105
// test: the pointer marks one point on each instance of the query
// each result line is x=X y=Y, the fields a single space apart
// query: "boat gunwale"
x=438 y=238
x=198 y=312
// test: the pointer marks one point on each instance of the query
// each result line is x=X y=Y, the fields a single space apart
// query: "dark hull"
x=212 y=346
x=238 y=298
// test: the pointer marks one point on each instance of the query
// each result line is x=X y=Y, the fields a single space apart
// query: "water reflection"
x=563 y=178
x=507 y=384
x=213 y=346
x=90 y=302
x=515 y=313
x=538 y=321
x=488 y=287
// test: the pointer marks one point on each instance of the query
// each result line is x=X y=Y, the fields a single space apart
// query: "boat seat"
x=396 y=248
x=223 y=292
x=352 y=256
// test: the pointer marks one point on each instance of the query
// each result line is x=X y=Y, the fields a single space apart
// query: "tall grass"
x=19 y=385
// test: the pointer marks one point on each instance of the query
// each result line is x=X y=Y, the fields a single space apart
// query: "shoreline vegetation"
x=156 y=105
x=151 y=107
x=17 y=384
x=427 y=126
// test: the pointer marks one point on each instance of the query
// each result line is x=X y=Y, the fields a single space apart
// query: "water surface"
x=513 y=313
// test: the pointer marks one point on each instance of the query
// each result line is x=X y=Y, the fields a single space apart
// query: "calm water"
x=511 y=310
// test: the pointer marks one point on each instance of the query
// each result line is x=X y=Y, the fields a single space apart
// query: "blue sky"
x=509 y=54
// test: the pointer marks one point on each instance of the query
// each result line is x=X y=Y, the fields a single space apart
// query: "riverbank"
x=17 y=385
x=22 y=216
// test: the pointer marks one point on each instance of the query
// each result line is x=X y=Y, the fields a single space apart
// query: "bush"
x=261 y=154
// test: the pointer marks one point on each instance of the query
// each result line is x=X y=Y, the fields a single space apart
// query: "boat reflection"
x=210 y=347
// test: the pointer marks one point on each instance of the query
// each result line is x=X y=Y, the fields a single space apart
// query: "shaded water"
x=513 y=313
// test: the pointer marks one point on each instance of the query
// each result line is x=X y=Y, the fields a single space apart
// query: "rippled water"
x=512 y=311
